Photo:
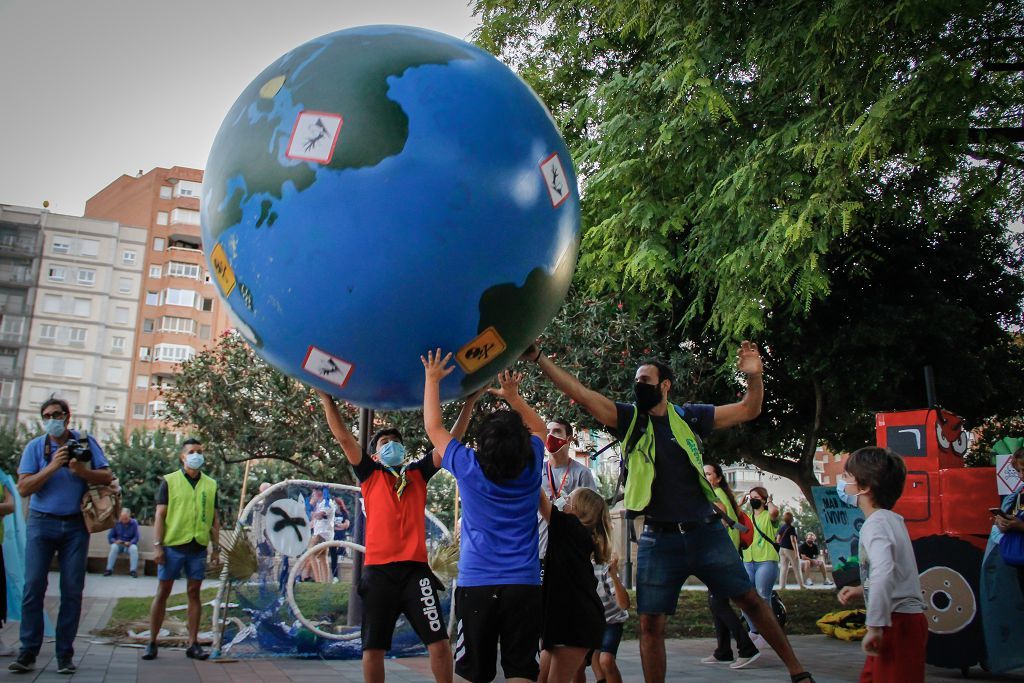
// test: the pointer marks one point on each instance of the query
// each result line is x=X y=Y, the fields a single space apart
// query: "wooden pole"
x=245 y=483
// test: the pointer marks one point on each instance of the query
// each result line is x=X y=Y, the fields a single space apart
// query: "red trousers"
x=901 y=657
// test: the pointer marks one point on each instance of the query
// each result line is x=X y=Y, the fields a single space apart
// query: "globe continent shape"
x=385 y=190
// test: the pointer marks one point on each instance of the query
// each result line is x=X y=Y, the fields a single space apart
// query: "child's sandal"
x=802 y=676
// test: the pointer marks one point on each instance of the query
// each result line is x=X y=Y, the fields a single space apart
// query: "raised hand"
x=508 y=382
x=436 y=368
x=748 y=359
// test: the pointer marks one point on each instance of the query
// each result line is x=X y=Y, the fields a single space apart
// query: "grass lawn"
x=693 y=618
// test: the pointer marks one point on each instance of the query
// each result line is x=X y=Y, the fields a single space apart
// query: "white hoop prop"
x=290 y=587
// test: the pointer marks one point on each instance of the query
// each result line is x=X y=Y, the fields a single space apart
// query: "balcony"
x=18 y=248
x=18 y=278
x=13 y=338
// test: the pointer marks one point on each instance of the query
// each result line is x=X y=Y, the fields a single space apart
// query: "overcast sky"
x=92 y=89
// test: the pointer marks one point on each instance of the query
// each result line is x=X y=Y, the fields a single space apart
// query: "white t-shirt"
x=557 y=483
x=888 y=570
x=324 y=527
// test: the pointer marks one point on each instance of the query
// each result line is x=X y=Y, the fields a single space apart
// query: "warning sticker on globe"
x=314 y=136
x=222 y=269
x=487 y=346
x=554 y=179
x=327 y=367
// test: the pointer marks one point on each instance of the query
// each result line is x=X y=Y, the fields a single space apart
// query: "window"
x=182 y=325
x=165 y=192
x=121 y=315
x=187 y=188
x=52 y=303
x=61 y=245
x=147 y=324
x=156 y=409
x=204 y=331
x=128 y=257
x=178 y=269
x=173 y=353
x=124 y=285
x=139 y=411
x=161 y=218
x=152 y=298
x=83 y=307
x=7 y=359
x=62 y=367
x=141 y=381
x=180 y=297
x=154 y=271
x=110 y=405
x=86 y=277
x=117 y=344
x=207 y=304
x=158 y=243
x=77 y=336
x=184 y=216
x=88 y=247
x=47 y=334
x=12 y=328
x=7 y=388
x=113 y=374
x=143 y=353
x=56 y=274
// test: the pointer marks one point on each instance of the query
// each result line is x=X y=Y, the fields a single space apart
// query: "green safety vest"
x=190 y=510
x=761 y=550
x=723 y=497
x=640 y=460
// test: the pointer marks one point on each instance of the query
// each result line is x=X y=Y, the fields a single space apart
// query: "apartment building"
x=82 y=326
x=20 y=242
x=179 y=311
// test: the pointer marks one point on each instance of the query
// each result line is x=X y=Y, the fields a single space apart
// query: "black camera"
x=79 y=451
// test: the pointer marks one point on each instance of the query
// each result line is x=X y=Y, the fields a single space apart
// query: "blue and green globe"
x=385 y=190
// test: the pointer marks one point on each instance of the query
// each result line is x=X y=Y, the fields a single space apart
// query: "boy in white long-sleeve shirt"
x=897 y=631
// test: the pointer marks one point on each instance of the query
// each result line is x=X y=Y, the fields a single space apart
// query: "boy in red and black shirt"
x=396 y=577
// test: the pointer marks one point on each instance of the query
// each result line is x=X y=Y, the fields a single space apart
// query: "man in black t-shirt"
x=665 y=482
x=810 y=558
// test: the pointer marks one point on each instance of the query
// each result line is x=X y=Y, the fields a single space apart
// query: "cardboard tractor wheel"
x=950 y=577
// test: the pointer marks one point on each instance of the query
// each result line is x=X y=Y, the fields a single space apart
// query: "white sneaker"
x=808 y=582
x=711 y=659
x=758 y=640
x=827 y=582
x=743 y=662
x=6 y=650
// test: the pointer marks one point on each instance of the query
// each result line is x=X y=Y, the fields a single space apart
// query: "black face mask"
x=755 y=503
x=647 y=396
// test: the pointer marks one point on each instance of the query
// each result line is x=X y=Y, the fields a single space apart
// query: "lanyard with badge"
x=556 y=495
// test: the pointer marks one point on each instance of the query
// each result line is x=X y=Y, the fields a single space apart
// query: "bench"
x=99 y=549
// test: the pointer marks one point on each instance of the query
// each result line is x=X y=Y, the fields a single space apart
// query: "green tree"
x=724 y=148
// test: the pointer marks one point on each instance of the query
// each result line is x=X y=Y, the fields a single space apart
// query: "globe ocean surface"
x=385 y=190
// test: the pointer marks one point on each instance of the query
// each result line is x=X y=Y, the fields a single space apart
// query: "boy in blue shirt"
x=499 y=594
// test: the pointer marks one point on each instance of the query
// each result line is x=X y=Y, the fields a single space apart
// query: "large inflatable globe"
x=385 y=190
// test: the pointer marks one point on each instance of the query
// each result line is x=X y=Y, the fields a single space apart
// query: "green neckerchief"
x=400 y=480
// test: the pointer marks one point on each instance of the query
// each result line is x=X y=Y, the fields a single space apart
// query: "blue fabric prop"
x=14 y=556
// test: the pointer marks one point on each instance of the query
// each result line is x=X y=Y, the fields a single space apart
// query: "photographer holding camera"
x=56 y=470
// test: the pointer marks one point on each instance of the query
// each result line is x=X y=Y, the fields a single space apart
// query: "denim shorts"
x=175 y=560
x=612 y=638
x=666 y=559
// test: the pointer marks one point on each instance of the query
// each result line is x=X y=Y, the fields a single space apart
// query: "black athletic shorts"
x=488 y=615
x=389 y=590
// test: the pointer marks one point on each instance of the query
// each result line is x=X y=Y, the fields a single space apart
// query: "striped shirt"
x=613 y=614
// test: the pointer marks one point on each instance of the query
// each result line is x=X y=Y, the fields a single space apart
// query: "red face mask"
x=554 y=443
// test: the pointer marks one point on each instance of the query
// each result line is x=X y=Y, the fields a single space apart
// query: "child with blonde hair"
x=578 y=536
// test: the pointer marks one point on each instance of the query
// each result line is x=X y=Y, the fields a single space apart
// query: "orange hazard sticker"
x=486 y=347
x=222 y=269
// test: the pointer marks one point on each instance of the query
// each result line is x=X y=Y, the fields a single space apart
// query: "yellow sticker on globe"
x=487 y=346
x=222 y=269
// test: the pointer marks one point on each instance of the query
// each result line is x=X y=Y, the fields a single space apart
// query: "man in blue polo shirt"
x=56 y=470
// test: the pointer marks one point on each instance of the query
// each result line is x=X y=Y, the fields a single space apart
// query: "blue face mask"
x=194 y=461
x=54 y=428
x=392 y=454
x=848 y=498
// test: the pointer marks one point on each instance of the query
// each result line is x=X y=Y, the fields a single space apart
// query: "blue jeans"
x=116 y=549
x=665 y=559
x=763 y=575
x=67 y=537
x=176 y=561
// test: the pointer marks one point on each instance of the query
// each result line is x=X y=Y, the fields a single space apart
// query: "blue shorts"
x=666 y=559
x=612 y=638
x=175 y=560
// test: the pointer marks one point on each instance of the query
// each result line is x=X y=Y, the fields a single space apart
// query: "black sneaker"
x=150 y=652
x=24 y=662
x=66 y=666
x=135 y=575
x=107 y=573
x=195 y=651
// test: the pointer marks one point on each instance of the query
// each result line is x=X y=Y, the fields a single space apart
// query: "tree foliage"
x=724 y=148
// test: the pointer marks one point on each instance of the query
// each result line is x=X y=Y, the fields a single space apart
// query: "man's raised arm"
x=598 y=405
x=342 y=434
x=748 y=361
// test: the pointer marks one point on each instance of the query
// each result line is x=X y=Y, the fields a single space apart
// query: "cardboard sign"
x=1007 y=479
x=841 y=525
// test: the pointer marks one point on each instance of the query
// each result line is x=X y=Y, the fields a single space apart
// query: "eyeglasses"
x=54 y=416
